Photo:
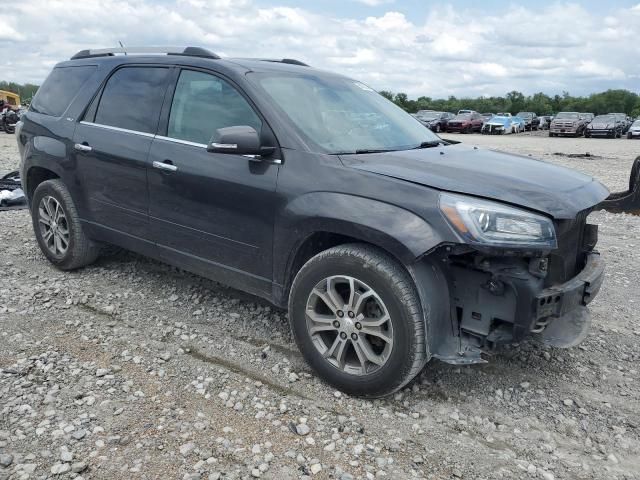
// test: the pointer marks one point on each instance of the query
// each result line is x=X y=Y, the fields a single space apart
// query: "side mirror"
x=238 y=140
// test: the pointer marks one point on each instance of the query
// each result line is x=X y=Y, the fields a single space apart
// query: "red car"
x=465 y=123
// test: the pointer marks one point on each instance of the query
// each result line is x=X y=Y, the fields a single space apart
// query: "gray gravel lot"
x=134 y=369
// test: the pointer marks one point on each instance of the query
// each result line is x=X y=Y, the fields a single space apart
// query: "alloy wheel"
x=349 y=325
x=54 y=227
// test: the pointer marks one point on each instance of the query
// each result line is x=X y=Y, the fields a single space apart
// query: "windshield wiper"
x=362 y=151
x=430 y=144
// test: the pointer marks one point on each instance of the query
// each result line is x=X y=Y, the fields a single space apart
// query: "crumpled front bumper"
x=562 y=319
x=503 y=300
x=558 y=300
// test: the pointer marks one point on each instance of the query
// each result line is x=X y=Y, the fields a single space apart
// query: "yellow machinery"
x=10 y=98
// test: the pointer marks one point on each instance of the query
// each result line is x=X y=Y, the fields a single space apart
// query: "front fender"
x=394 y=229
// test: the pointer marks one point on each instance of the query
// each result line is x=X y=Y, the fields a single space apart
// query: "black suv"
x=531 y=120
x=389 y=245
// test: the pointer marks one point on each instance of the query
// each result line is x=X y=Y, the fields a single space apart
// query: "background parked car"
x=465 y=123
x=544 y=122
x=567 y=124
x=605 y=126
x=460 y=112
x=500 y=125
x=531 y=121
x=435 y=121
x=588 y=117
x=634 y=130
x=624 y=120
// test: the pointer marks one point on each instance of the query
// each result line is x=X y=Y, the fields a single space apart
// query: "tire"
x=370 y=268
x=628 y=136
x=80 y=250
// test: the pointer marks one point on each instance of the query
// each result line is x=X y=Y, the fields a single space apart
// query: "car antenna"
x=122 y=46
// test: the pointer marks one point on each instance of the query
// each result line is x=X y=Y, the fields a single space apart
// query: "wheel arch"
x=397 y=231
x=35 y=176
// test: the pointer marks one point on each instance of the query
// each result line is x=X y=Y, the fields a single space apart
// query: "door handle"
x=82 y=147
x=166 y=165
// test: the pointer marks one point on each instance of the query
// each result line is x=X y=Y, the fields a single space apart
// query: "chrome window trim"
x=145 y=134
x=184 y=142
x=118 y=129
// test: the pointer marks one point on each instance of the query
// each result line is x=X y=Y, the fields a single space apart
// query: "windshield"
x=339 y=115
x=604 y=118
x=570 y=115
x=636 y=124
x=464 y=116
x=524 y=115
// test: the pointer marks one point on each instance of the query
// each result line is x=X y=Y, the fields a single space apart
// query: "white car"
x=634 y=130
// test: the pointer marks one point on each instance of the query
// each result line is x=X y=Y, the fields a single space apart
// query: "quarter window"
x=202 y=103
x=59 y=89
x=132 y=98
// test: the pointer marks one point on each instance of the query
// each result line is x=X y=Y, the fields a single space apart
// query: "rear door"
x=112 y=145
x=212 y=213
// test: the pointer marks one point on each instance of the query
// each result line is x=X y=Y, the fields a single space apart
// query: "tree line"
x=618 y=101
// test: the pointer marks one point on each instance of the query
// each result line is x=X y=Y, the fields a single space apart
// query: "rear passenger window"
x=202 y=103
x=59 y=89
x=132 y=98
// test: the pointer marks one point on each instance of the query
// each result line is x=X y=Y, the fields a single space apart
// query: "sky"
x=430 y=48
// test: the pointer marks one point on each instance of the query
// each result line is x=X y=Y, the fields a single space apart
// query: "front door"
x=112 y=147
x=212 y=213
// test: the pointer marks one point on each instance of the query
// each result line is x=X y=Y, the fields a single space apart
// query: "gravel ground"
x=134 y=369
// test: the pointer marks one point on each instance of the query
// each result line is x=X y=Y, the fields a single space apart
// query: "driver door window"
x=203 y=103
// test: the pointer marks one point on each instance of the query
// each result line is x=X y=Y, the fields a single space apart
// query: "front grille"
x=563 y=124
x=569 y=258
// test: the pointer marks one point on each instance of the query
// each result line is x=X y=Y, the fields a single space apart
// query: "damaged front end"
x=500 y=295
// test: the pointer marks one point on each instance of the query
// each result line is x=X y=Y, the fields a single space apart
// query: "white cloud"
x=450 y=52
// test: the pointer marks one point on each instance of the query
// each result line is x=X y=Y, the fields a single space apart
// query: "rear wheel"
x=58 y=229
x=356 y=317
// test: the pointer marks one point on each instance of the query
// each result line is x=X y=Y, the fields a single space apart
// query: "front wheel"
x=356 y=317
x=57 y=227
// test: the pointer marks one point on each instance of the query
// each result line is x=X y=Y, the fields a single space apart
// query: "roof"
x=182 y=55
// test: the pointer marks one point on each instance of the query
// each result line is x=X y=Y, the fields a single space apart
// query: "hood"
x=534 y=184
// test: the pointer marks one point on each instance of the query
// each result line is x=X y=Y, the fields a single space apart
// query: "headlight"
x=483 y=222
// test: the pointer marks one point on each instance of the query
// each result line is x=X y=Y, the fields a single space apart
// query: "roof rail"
x=109 y=52
x=290 y=61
